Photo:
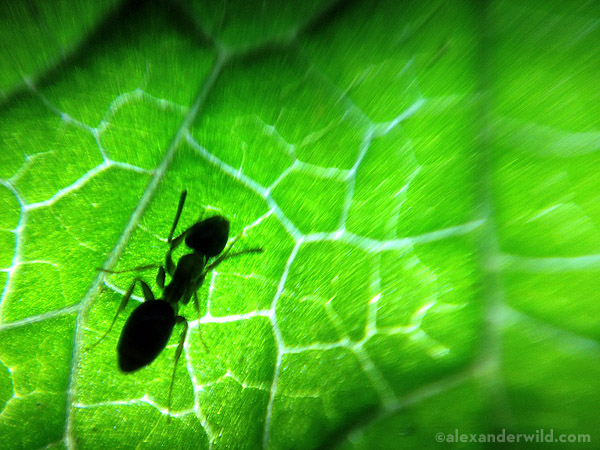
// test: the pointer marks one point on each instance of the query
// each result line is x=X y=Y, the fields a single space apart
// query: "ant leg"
x=135 y=269
x=173 y=244
x=147 y=296
x=179 y=209
x=160 y=277
x=226 y=255
x=197 y=306
x=178 y=319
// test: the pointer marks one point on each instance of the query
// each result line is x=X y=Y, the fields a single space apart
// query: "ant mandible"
x=149 y=327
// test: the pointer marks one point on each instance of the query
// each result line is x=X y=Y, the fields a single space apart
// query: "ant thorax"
x=186 y=279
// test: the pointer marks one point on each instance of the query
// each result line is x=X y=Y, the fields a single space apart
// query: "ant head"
x=209 y=236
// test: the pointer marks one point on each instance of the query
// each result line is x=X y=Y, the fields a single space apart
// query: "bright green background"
x=422 y=177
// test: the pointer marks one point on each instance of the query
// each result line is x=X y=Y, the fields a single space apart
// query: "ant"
x=149 y=327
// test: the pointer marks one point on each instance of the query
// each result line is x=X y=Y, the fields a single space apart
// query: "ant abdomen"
x=145 y=334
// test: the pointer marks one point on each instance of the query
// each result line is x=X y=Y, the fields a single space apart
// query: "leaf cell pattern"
x=385 y=285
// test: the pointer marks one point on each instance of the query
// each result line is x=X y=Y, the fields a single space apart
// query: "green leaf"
x=38 y=35
x=422 y=178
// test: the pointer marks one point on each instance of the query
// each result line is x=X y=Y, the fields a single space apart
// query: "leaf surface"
x=421 y=177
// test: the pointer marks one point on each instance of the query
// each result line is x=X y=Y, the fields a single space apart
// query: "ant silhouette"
x=150 y=325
